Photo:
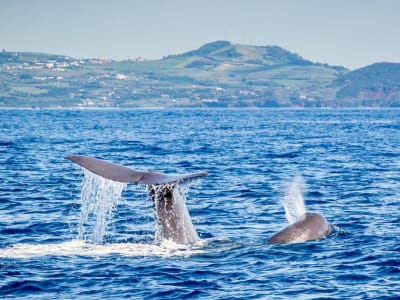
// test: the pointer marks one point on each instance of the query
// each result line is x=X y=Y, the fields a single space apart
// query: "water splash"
x=84 y=248
x=99 y=197
x=173 y=221
x=293 y=201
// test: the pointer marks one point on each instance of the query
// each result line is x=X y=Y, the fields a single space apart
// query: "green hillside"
x=217 y=74
x=374 y=85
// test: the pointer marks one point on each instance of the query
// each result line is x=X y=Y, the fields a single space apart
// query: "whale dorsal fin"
x=123 y=174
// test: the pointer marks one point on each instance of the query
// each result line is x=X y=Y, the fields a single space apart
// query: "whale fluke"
x=123 y=174
x=172 y=216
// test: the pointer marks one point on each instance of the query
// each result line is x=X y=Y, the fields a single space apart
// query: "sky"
x=349 y=33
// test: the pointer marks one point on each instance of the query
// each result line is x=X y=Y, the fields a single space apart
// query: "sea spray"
x=293 y=201
x=99 y=198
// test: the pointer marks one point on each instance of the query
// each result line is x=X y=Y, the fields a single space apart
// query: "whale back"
x=311 y=226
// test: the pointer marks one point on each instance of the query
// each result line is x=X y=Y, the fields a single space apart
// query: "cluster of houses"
x=79 y=83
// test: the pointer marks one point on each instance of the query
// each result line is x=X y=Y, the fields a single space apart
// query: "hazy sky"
x=351 y=33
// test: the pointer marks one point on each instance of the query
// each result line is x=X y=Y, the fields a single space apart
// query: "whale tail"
x=172 y=216
x=123 y=174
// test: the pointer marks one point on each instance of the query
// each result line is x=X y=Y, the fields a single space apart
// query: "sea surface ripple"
x=348 y=159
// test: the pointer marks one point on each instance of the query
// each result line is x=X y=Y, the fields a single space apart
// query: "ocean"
x=345 y=164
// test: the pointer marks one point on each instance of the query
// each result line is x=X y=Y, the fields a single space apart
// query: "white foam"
x=83 y=248
x=293 y=201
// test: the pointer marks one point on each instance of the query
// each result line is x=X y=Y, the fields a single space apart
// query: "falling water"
x=293 y=200
x=172 y=217
x=99 y=197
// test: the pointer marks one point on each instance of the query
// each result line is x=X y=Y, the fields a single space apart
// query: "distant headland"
x=218 y=74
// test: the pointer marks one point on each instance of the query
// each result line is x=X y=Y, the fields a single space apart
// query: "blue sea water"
x=348 y=159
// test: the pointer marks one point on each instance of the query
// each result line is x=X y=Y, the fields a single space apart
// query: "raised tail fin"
x=123 y=174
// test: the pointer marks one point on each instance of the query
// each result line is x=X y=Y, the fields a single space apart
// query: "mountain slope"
x=245 y=74
x=377 y=84
x=216 y=74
